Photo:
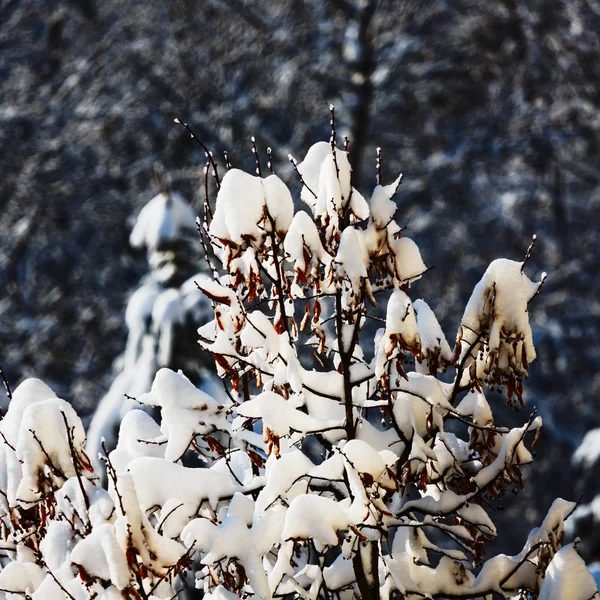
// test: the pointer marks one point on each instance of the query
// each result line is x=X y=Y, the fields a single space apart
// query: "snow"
x=303 y=245
x=381 y=205
x=139 y=435
x=188 y=485
x=567 y=577
x=417 y=397
x=409 y=264
x=314 y=518
x=476 y=406
x=230 y=539
x=27 y=393
x=401 y=330
x=242 y=204
x=329 y=179
x=41 y=450
x=57 y=544
x=352 y=259
x=162 y=221
x=310 y=169
x=365 y=459
x=280 y=416
x=21 y=578
x=498 y=306
x=512 y=451
x=101 y=556
x=588 y=452
x=185 y=411
x=433 y=340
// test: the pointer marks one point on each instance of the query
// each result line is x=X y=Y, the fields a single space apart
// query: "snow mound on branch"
x=231 y=539
x=310 y=169
x=382 y=207
x=101 y=556
x=401 y=331
x=43 y=447
x=433 y=340
x=328 y=176
x=21 y=578
x=409 y=264
x=352 y=259
x=365 y=459
x=418 y=397
x=139 y=435
x=316 y=518
x=303 y=244
x=567 y=577
x=185 y=411
x=29 y=392
x=242 y=205
x=190 y=486
x=280 y=415
x=498 y=305
x=161 y=221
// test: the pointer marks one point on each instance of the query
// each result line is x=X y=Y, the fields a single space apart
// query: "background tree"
x=162 y=314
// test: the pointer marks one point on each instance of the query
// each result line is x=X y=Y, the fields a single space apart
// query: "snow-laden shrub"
x=331 y=468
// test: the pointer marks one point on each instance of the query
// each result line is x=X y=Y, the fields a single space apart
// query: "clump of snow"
x=401 y=332
x=101 y=556
x=280 y=416
x=304 y=247
x=317 y=518
x=352 y=260
x=496 y=321
x=567 y=577
x=434 y=347
x=588 y=452
x=246 y=205
x=329 y=192
x=185 y=411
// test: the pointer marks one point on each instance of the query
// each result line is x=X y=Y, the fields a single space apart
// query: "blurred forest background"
x=490 y=109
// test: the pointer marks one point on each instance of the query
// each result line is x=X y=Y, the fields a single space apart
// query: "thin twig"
x=256 y=158
x=6 y=384
x=528 y=253
x=207 y=152
x=86 y=500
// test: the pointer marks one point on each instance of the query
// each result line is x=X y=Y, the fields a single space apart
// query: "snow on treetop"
x=382 y=207
x=161 y=221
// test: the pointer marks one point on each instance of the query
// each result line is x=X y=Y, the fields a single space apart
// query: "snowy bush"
x=350 y=455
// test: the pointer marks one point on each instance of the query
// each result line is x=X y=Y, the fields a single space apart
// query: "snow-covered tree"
x=353 y=456
x=162 y=314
